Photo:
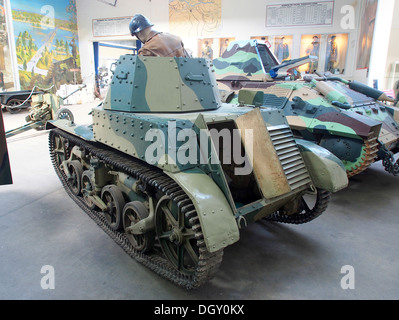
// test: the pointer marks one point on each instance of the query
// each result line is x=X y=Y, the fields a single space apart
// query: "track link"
x=368 y=158
x=323 y=198
x=208 y=263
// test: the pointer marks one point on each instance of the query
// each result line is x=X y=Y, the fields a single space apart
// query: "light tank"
x=351 y=120
x=172 y=174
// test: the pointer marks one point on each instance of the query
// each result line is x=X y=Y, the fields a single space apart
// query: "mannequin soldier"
x=155 y=43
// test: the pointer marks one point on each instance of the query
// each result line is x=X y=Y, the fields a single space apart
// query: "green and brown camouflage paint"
x=328 y=112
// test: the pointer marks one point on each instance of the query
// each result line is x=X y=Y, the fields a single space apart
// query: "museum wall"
x=240 y=22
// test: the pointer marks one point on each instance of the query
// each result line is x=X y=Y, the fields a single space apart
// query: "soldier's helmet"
x=138 y=23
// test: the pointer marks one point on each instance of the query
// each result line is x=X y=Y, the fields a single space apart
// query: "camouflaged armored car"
x=358 y=124
x=172 y=174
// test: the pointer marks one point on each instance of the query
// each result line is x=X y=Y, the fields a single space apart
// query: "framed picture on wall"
x=206 y=48
x=223 y=45
x=212 y=48
x=282 y=47
x=337 y=48
x=310 y=46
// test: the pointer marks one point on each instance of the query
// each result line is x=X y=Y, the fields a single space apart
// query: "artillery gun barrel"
x=369 y=91
x=328 y=91
x=23 y=128
x=356 y=86
x=72 y=93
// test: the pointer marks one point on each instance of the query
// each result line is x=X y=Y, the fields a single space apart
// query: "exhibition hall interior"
x=199 y=150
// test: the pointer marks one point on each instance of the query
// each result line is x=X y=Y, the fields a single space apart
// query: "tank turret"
x=182 y=86
x=173 y=174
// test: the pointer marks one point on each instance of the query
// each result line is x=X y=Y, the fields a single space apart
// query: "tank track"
x=368 y=158
x=208 y=263
x=323 y=198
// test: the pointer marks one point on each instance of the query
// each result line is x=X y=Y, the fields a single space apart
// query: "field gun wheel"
x=13 y=106
x=133 y=213
x=75 y=180
x=176 y=236
x=64 y=114
x=113 y=199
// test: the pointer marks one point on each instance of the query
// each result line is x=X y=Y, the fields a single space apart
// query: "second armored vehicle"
x=345 y=117
x=171 y=173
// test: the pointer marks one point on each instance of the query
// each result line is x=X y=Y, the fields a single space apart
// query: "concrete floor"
x=40 y=225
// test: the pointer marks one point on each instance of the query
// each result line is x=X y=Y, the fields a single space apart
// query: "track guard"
x=326 y=170
x=218 y=222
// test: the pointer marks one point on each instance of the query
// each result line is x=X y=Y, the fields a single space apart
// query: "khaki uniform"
x=163 y=45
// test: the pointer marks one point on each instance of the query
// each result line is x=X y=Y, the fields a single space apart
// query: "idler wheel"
x=60 y=149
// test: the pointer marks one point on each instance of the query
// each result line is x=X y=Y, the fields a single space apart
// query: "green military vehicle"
x=346 y=117
x=172 y=174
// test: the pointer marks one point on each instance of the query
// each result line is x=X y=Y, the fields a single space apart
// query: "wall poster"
x=111 y=27
x=46 y=41
x=6 y=72
x=300 y=14
x=195 y=18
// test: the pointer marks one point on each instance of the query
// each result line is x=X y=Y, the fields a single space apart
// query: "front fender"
x=217 y=219
x=326 y=170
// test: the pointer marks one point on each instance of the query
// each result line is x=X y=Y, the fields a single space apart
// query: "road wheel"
x=113 y=198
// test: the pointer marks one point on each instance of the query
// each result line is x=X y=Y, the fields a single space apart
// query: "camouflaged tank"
x=5 y=171
x=172 y=174
x=346 y=117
